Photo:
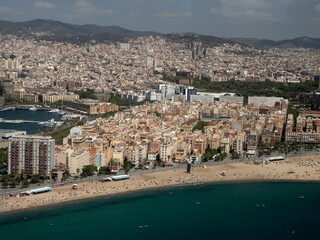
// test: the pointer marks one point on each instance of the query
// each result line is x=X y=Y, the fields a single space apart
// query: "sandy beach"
x=306 y=168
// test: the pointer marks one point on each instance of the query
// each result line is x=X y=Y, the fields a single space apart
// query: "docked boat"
x=33 y=108
x=50 y=123
x=9 y=109
x=54 y=111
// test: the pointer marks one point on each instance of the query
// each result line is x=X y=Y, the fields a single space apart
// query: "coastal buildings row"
x=71 y=100
x=164 y=131
x=32 y=97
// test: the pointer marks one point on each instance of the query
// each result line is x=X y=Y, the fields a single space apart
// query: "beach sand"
x=306 y=168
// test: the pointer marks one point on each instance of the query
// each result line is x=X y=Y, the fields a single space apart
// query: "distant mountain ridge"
x=59 y=31
x=302 y=42
x=59 y=28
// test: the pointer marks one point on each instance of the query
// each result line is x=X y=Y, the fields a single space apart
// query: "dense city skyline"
x=274 y=20
x=99 y=103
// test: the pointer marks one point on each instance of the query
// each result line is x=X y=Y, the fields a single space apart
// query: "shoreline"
x=306 y=170
x=110 y=196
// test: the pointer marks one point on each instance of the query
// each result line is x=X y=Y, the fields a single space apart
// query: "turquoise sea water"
x=218 y=211
x=31 y=128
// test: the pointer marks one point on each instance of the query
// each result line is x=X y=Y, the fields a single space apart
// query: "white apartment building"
x=77 y=160
x=166 y=152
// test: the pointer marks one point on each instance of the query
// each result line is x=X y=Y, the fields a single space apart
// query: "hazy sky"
x=270 y=19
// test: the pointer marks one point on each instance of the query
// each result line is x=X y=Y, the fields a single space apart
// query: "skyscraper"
x=32 y=154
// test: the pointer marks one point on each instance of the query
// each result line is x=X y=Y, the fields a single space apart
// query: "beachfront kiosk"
x=39 y=190
x=272 y=159
x=120 y=177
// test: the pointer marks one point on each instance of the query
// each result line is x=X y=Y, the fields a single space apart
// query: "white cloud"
x=134 y=14
x=40 y=4
x=85 y=7
x=245 y=9
x=173 y=14
x=257 y=15
x=242 y=13
x=215 y=10
x=249 y=14
x=317 y=8
x=246 y=3
x=6 y=10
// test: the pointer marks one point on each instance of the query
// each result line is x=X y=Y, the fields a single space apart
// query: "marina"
x=26 y=107
x=22 y=119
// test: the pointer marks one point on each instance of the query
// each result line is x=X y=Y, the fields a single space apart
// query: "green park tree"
x=88 y=170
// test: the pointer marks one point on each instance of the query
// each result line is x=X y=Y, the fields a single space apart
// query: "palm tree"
x=145 y=161
x=223 y=148
x=267 y=142
x=44 y=176
x=23 y=178
x=113 y=163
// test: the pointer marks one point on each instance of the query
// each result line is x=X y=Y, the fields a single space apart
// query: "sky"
x=263 y=19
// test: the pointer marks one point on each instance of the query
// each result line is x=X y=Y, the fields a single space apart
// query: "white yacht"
x=33 y=108
x=54 y=111
x=51 y=123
